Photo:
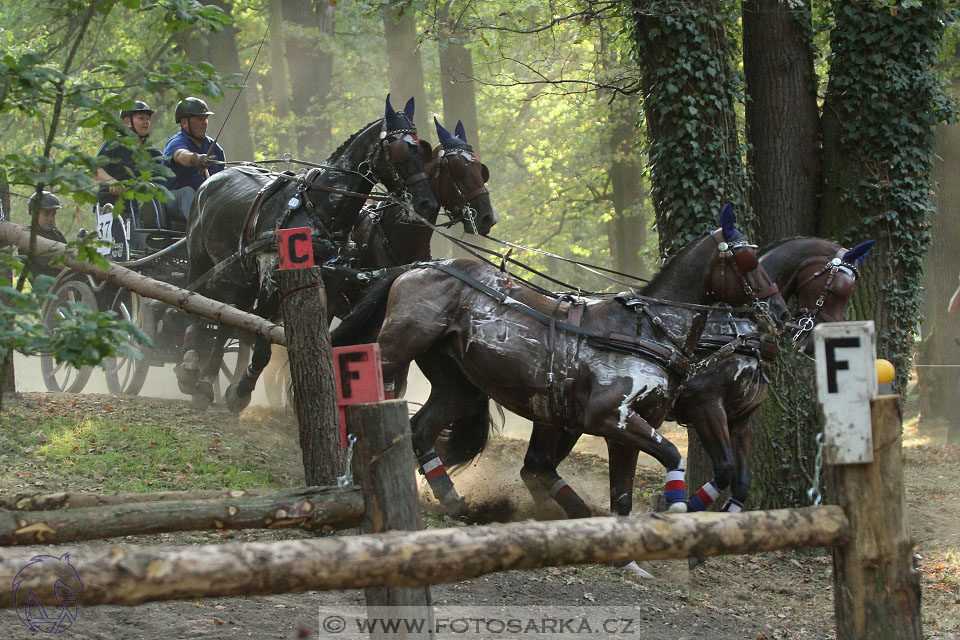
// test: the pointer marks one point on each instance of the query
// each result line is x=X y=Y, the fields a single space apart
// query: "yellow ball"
x=885 y=371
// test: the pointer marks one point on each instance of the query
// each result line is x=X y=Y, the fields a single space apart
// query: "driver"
x=122 y=165
x=191 y=154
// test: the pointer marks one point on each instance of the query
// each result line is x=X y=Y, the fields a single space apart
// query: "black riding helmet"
x=191 y=107
x=47 y=201
x=138 y=107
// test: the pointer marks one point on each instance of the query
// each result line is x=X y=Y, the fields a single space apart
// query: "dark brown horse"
x=240 y=207
x=604 y=367
x=718 y=402
x=389 y=235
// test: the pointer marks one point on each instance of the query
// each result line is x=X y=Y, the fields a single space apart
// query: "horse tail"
x=467 y=437
x=363 y=323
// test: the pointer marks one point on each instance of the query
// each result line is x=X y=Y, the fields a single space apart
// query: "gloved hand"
x=115 y=188
x=202 y=160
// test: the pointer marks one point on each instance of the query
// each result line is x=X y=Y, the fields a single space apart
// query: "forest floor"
x=759 y=597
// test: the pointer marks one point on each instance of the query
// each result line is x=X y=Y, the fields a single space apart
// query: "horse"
x=605 y=367
x=238 y=210
x=718 y=401
x=387 y=236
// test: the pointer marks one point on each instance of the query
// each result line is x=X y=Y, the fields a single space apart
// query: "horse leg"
x=188 y=371
x=632 y=431
x=450 y=394
x=740 y=438
x=710 y=421
x=202 y=396
x=547 y=448
x=238 y=394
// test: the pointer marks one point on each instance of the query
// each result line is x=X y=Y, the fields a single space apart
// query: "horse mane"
x=339 y=150
x=666 y=265
x=763 y=250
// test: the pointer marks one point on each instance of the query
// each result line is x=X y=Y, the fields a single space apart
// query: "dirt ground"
x=762 y=597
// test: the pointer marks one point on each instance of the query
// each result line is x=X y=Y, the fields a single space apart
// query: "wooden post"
x=304 y=308
x=875 y=576
x=384 y=466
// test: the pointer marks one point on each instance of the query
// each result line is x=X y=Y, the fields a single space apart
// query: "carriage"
x=142 y=240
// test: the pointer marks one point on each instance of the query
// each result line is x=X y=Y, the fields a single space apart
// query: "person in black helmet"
x=122 y=165
x=191 y=154
x=48 y=205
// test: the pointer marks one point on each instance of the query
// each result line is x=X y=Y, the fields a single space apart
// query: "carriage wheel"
x=126 y=375
x=62 y=376
x=236 y=357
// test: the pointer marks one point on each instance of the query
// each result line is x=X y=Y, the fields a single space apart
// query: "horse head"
x=399 y=160
x=824 y=287
x=458 y=179
x=737 y=276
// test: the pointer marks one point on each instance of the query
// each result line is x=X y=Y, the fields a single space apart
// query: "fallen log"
x=79 y=499
x=325 y=508
x=217 y=312
x=131 y=575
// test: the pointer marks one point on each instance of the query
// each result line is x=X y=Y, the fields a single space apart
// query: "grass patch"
x=102 y=453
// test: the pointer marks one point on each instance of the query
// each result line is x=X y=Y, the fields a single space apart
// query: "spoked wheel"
x=236 y=357
x=126 y=375
x=62 y=376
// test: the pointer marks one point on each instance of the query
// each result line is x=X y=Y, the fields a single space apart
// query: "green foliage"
x=888 y=99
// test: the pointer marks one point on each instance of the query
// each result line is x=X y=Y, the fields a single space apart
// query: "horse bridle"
x=741 y=262
x=806 y=318
x=391 y=151
x=463 y=208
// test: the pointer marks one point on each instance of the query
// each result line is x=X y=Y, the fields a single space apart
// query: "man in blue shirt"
x=191 y=154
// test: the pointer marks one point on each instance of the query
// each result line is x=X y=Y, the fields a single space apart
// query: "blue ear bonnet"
x=397 y=120
x=448 y=141
x=727 y=223
x=858 y=254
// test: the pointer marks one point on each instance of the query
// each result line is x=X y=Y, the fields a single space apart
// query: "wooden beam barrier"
x=217 y=312
x=131 y=575
x=79 y=499
x=313 y=508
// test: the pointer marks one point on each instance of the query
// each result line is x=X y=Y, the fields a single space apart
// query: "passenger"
x=122 y=165
x=191 y=154
x=49 y=205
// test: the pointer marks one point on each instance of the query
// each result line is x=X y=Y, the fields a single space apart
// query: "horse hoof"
x=680 y=506
x=235 y=402
x=202 y=397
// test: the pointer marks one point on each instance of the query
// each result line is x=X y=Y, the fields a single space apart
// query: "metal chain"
x=347 y=478
x=814 y=492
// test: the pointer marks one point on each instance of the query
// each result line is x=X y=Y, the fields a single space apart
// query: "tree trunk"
x=130 y=575
x=627 y=231
x=310 y=55
x=218 y=312
x=405 y=67
x=877 y=159
x=304 y=309
x=783 y=130
x=456 y=76
x=278 y=74
x=8 y=377
x=233 y=133
x=690 y=92
x=315 y=508
x=939 y=352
